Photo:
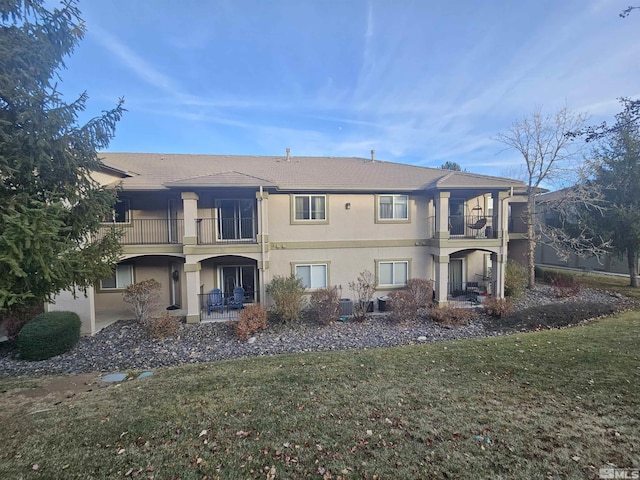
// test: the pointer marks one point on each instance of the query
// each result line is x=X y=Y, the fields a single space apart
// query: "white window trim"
x=115 y=273
x=311 y=265
x=310 y=197
x=393 y=263
x=393 y=217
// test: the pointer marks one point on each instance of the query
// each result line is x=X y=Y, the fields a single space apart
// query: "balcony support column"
x=497 y=274
x=192 y=280
x=190 y=209
x=263 y=238
x=500 y=215
x=442 y=215
x=442 y=278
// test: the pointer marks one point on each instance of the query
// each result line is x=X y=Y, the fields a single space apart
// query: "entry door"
x=455 y=275
x=239 y=276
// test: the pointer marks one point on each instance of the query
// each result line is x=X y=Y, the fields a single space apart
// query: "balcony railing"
x=471 y=226
x=212 y=231
x=221 y=310
x=469 y=293
x=147 y=231
x=466 y=226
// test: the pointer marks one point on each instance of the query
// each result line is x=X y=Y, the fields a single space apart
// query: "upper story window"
x=122 y=277
x=310 y=207
x=393 y=207
x=313 y=275
x=121 y=212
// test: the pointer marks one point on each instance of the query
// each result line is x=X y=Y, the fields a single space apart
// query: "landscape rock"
x=126 y=345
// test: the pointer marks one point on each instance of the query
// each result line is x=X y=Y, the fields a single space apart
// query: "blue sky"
x=421 y=82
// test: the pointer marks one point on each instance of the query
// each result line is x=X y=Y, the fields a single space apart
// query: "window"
x=121 y=278
x=313 y=276
x=310 y=207
x=120 y=212
x=393 y=207
x=393 y=273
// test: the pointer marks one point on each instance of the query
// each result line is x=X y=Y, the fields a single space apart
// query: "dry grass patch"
x=555 y=404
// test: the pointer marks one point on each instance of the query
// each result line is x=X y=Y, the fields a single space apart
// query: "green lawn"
x=554 y=404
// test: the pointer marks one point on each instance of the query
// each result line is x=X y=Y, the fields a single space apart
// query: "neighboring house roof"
x=154 y=171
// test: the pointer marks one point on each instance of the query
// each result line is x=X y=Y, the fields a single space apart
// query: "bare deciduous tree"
x=547 y=151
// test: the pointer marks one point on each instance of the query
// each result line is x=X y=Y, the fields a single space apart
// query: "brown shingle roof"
x=159 y=171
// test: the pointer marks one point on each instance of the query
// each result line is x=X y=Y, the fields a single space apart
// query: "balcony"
x=226 y=231
x=466 y=226
x=147 y=231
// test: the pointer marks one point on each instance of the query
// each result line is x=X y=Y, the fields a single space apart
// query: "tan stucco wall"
x=344 y=265
x=144 y=268
x=357 y=222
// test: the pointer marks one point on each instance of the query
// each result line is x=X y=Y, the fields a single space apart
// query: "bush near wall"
x=422 y=291
x=515 y=279
x=163 y=326
x=287 y=294
x=14 y=320
x=251 y=319
x=404 y=307
x=324 y=305
x=48 y=335
x=453 y=316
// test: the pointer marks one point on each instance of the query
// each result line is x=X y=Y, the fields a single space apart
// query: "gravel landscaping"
x=126 y=345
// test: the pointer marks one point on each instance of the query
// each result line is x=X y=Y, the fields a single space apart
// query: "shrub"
x=48 y=335
x=363 y=289
x=324 y=305
x=403 y=306
x=448 y=315
x=515 y=279
x=251 y=319
x=163 y=326
x=422 y=291
x=287 y=294
x=554 y=315
x=498 y=307
x=564 y=285
x=15 y=319
x=143 y=298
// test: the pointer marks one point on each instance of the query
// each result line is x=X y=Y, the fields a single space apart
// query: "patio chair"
x=237 y=301
x=216 y=301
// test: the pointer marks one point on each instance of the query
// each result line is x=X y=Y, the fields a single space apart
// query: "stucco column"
x=442 y=215
x=500 y=213
x=82 y=304
x=192 y=280
x=497 y=274
x=190 y=209
x=431 y=218
x=442 y=278
x=263 y=240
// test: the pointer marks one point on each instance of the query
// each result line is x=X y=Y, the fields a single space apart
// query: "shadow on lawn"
x=556 y=315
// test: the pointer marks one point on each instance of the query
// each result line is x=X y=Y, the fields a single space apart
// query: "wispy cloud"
x=134 y=62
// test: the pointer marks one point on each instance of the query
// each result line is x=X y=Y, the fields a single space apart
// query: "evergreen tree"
x=50 y=208
x=451 y=166
x=617 y=177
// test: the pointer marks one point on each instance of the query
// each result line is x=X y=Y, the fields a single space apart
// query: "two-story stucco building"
x=198 y=222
